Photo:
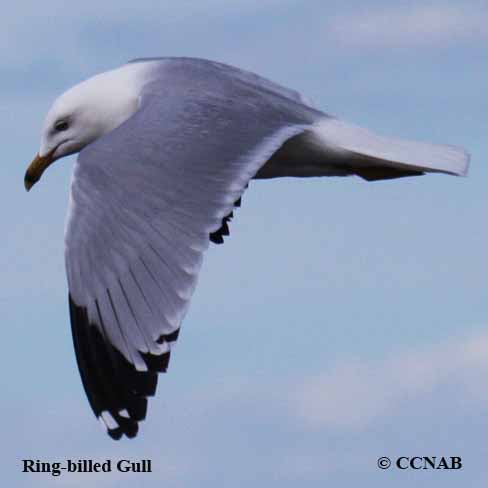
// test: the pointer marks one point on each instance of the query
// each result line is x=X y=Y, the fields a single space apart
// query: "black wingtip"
x=127 y=427
x=116 y=391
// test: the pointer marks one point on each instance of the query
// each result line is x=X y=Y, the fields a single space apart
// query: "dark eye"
x=61 y=125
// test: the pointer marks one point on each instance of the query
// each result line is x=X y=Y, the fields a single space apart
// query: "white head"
x=84 y=113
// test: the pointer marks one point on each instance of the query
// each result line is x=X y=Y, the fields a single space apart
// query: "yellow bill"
x=36 y=168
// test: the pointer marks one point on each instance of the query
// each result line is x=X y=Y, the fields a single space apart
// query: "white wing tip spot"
x=109 y=422
x=124 y=413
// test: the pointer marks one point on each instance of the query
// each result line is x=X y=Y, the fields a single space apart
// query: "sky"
x=341 y=321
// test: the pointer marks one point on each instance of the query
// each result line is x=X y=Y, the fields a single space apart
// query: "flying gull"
x=166 y=148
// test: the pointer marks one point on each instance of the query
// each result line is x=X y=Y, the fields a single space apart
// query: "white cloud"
x=355 y=394
x=193 y=433
x=409 y=26
x=352 y=395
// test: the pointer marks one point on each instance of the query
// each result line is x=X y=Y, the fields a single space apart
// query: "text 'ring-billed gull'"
x=166 y=148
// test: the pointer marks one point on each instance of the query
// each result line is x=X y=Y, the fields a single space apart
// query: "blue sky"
x=340 y=322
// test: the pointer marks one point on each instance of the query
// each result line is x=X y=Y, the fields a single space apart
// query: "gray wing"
x=214 y=68
x=144 y=199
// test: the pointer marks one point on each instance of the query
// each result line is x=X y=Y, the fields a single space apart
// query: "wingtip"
x=116 y=392
x=119 y=425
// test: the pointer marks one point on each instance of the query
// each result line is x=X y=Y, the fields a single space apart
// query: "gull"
x=167 y=147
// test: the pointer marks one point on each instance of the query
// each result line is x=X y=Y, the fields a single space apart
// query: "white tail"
x=371 y=150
